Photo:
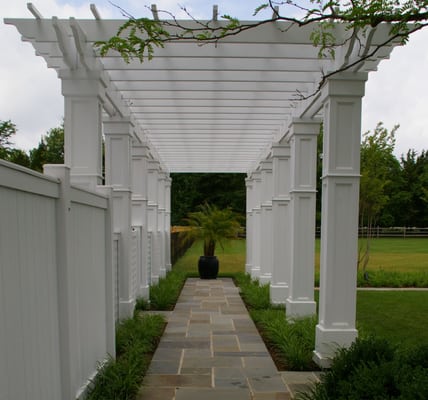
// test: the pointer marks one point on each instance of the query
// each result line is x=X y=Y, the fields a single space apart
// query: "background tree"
x=7 y=130
x=50 y=149
x=189 y=191
x=414 y=190
x=379 y=168
x=20 y=157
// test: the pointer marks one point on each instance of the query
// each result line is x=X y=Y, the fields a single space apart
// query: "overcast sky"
x=30 y=93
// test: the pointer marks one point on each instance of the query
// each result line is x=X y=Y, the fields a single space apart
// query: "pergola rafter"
x=255 y=79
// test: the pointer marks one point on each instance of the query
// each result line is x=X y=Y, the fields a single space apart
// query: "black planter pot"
x=208 y=267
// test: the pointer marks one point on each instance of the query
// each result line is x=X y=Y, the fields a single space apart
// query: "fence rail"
x=396 y=231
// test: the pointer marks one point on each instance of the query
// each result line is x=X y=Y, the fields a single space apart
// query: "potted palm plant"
x=212 y=225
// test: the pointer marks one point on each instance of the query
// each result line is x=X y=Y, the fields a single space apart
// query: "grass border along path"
x=136 y=341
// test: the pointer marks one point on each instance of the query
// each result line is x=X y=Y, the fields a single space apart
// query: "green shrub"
x=142 y=304
x=396 y=279
x=164 y=294
x=292 y=341
x=136 y=340
x=138 y=331
x=384 y=278
x=255 y=296
x=372 y=369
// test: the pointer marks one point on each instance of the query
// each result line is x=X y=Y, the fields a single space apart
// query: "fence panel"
x=88 y=250
x=29 y=331
x=55 y=282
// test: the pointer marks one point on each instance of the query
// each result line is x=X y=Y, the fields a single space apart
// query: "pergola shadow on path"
x=249 y=103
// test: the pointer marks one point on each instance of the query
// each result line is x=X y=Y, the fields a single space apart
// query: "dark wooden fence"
x=180 y=242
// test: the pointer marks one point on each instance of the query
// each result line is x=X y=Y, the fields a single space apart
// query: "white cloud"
x=30 y=93
x=398 y=94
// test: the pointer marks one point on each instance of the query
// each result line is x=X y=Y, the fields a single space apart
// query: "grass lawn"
x=393 y=254
x=399 y=316
x=387 y=254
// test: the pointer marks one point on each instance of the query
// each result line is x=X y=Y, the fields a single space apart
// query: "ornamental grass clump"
x=136 y=340
x=291 y=341
x=164 y=294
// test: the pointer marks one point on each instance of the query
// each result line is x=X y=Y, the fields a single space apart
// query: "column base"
x=300 y=308
x=278 y=293
x=248 y=268
x=126 y=308
x=265 y=279
x=329 y=341
x=86 y=182
x=168 y=267
x=144 y=292
x=162 y=272
x=255 y=272
x=155 y=279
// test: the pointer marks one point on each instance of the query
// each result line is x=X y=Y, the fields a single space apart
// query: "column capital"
x=256 y=176
x=154 y=165
x=281 y=150
x=303 y=126
x=78 y=84
x=344 y=84
x=118 y=126
x=140 y=150
x=266 y=165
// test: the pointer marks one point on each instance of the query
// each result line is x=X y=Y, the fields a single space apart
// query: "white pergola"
x=232 y=106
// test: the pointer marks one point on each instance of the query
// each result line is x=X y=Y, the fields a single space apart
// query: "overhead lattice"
x=211 y=108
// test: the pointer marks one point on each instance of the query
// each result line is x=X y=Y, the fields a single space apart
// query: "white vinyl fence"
x=57 y=284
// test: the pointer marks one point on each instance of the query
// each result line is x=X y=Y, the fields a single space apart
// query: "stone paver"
x=211 y=349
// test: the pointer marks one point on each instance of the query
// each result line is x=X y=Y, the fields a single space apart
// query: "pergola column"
x=256 y=237
x=279 y=286
x=118 y=172
x=303 y=142
x=140 y=154
x=83 y=127
x=266 y=223
x=161 y=222
x=152 y=219
x=341 y=97
x=168 y=264
x=249 y=225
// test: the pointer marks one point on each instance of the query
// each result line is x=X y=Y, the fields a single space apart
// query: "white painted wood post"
x=256 y=239
x=110 y=272
x=303 y=142
x=161 y=223
x=152 y=218
x=266 y=222
x=279 y=286
x=67 y=307
x=341 y=97
x=118 y=168
x=83 y=128
x=140 y=154
x=249 y=225
x=168 y=182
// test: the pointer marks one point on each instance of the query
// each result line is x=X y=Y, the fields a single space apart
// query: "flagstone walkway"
x=211 y=350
